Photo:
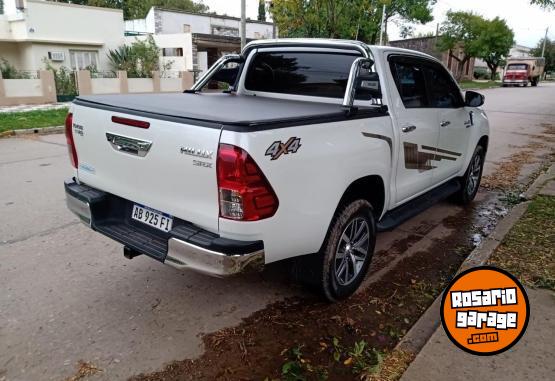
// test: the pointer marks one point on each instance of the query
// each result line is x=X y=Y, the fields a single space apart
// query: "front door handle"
x=445 y=123
x=408 y=128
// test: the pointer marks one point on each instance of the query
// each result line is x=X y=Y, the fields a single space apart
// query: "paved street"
x=68 y=294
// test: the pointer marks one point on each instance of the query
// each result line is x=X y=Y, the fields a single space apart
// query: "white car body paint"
x=309 y=183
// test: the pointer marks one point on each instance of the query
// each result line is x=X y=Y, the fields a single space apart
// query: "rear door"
x=452 y=118
x=417 y=127
x=169 y=166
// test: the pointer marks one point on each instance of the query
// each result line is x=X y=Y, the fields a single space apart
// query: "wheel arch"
x=370 y=188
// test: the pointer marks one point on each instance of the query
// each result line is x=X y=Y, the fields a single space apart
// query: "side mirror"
x=473 y=99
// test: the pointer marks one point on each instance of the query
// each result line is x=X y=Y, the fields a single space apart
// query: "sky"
x=527 y=21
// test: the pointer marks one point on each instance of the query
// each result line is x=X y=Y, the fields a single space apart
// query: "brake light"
x=244 y=192
x=69 y=139
x=130 y=122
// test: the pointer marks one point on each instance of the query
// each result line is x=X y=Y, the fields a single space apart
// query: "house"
x=428 y=45
x=193 y=41
x=70 y=35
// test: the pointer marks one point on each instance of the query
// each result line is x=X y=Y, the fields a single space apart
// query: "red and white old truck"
x=524 y=70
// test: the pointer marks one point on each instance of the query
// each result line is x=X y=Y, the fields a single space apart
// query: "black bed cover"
x=223 y=108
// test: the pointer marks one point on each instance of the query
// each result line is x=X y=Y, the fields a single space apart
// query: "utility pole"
x=243 y=23
x=544 y=41
x=382 y=25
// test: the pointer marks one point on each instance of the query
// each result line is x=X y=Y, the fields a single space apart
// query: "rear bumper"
x=186 y=246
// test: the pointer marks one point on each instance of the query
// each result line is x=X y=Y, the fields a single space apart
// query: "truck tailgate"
x=168 y=166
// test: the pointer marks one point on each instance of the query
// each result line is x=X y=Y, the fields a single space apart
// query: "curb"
x=32 y=131
x=422 y=330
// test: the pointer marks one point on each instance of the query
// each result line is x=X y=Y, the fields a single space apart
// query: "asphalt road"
x=68 y=294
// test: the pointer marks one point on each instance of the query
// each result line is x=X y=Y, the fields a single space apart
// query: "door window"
x=443 y=92
x=409 y=79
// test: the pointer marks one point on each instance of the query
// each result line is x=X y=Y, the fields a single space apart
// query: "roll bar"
x=350 y=91
x=220 y=63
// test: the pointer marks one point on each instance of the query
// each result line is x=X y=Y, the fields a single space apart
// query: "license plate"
x=151 y=217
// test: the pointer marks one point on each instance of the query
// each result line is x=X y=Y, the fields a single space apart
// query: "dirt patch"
x=508 y=173
x=307 y=339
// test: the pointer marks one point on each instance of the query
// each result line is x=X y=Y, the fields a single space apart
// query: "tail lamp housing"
x=244 y=192
x=70 y=142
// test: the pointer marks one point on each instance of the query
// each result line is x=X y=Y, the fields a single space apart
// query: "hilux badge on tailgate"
x=196 y=152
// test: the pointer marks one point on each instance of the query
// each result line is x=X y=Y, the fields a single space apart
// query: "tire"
x=534 y=82
x=470 y=182
x=347 y=251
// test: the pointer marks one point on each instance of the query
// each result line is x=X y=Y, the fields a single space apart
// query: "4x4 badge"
x=277 y=148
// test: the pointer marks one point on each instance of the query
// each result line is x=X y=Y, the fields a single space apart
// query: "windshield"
x=517 y=67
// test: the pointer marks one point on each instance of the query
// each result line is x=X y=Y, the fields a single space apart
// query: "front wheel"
x=470 y=182
x=348 y=250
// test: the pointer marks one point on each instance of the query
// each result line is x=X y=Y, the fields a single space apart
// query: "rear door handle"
x=408 y=128
x=445 y=123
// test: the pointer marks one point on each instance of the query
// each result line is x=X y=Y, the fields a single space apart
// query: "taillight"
x=69 y=140
x=245 y=193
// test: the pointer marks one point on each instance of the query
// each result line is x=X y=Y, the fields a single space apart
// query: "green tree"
x=350 y=19
x=1 y=7
x=544 y=3
x=460 y=33
x=549 y=54
x=133 y=9
x=494 y=43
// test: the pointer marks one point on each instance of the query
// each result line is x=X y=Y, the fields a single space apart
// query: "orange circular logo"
x=485 y=310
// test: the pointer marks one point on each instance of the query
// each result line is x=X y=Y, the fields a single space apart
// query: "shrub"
x=10 y=72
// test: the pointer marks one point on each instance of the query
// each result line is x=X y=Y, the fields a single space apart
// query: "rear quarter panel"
x=309 y=183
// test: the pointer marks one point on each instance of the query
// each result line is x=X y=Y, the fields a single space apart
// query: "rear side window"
x=442 y=90
x=409 y=79
x=301 y=73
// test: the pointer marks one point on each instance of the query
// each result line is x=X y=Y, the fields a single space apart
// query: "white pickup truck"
x=312 y=148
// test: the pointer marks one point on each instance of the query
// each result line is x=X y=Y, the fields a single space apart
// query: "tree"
x=1 y=7
x=261 y=11
x=133 y=9
x=494 y=42
x=544 y=3
x=350 y=19
x=461 y=32
x=549 y=53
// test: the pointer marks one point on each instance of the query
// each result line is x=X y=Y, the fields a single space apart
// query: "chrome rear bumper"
x=184 y=247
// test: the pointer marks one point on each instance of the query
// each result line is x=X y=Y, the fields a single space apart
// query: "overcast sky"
x=527 y=21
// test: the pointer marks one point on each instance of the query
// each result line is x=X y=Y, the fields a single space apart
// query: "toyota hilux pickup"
x=294 y=148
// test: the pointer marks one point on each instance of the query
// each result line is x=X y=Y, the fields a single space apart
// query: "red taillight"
x=69 y=140
x=245 y=193
x=130 y=122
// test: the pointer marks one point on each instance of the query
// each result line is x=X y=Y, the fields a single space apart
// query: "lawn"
x=478 y=85
x=32 y=119
x=528 y=251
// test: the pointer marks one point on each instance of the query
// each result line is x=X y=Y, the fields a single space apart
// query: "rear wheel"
x=470 y=182
x=348 y=250
x=535 y=82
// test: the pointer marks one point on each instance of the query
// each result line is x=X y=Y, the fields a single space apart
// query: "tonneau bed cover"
x=222 y=108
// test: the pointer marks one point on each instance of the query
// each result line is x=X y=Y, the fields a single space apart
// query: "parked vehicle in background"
x=314 y=146
x=521 y=71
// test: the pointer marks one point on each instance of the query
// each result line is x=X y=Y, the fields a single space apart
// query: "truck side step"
x=416 y=206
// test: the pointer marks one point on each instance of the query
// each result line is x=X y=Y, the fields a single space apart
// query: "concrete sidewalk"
x=532 y=358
